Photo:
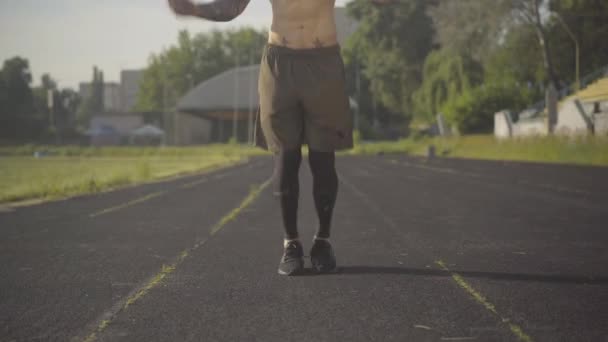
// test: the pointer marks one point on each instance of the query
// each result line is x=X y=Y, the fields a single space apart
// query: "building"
x=112 y=95
x=129 y=87
x=118 y=97
x=207 y=113
x=582 y=113
x=119 y=120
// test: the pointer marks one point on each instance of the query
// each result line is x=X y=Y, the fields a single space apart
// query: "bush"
x=473 y=111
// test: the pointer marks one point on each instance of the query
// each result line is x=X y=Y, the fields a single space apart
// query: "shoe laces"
x=292 y=251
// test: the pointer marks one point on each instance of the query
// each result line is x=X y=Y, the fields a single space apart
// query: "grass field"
x=73 y=170
x=582 y=150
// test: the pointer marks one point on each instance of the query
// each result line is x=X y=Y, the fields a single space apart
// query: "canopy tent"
x=147 y=135
x=147 y=131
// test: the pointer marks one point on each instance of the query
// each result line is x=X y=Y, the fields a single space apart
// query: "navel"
x=318 y=42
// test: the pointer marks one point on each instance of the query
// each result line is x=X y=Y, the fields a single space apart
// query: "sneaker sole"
x=318 y=269
x=295 y=272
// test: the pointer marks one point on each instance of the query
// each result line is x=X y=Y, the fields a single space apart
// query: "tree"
x=391 y=44
x=473 y=111
x=16 y=80
x=588 y=21
x=480 y=26
x=60 y=121
x=518 y=60
x=16 y=99
x=471 y=27
x=172 y=72
x=529 y=12
x=446 y=76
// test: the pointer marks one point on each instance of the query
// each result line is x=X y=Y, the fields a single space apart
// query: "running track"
x=441 y=250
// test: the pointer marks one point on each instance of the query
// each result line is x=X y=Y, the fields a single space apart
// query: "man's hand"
x=217 y=10
x=183 y=7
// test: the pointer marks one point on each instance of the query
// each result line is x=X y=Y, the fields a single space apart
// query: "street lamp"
x=573 y=37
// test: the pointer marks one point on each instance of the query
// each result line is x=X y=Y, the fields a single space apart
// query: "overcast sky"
x=67 y=37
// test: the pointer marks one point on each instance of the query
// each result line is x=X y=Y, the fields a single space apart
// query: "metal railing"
x=571 y=89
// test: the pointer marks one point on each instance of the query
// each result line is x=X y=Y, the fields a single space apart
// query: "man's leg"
x=325 y=189
x=287 y=165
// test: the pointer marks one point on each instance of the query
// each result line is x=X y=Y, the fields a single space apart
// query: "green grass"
x=581 y=150
x=77 y=170
x=74 y=170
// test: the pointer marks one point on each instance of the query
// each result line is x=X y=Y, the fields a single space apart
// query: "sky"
x=67 y=37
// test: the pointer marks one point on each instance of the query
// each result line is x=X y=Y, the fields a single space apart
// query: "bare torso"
x=303 y=24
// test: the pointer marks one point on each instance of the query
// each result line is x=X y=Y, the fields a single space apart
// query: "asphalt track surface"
x=441 y=250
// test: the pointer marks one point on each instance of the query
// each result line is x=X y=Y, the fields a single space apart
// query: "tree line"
x=45 y=113
x=414 y=59
x=405 y=63
x=468 y=58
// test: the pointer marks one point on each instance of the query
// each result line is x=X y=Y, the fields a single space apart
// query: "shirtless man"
x=302 y=101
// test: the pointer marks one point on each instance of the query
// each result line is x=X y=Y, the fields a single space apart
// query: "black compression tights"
x=325 y=188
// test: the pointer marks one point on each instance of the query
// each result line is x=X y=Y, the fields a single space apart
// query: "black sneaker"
x=292 y=262
x=322 y=257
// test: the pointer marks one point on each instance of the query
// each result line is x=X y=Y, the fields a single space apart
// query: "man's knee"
x=286 y=172
x=322 y=164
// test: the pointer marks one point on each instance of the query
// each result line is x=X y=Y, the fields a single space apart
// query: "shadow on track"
x=549 y=278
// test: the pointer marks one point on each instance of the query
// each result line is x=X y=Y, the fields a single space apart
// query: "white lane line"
x=153 y=195
x=552 y=187
x=128 y=204
x=193 y=184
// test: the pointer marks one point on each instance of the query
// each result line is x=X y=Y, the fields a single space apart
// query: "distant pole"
x=51 y=104
x=191 y=79
x=166 y=114
x=358 y=89
x=577 y=85
x=251 y=88
x=236 y=95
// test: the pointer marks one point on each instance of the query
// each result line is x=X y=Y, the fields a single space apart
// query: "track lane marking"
x=193 y=184
x=552 y=187
x=161 y=193
x=481 y=299
x=128 y=204
x=458 y=279
x=108 y=317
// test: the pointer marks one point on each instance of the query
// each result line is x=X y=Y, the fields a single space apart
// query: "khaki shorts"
x=303 y=100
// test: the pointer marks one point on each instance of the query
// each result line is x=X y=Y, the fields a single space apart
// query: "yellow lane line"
x=167 y=269
x=255 y=192
x=477 y=296
x=481 y=299
x=129 y=204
